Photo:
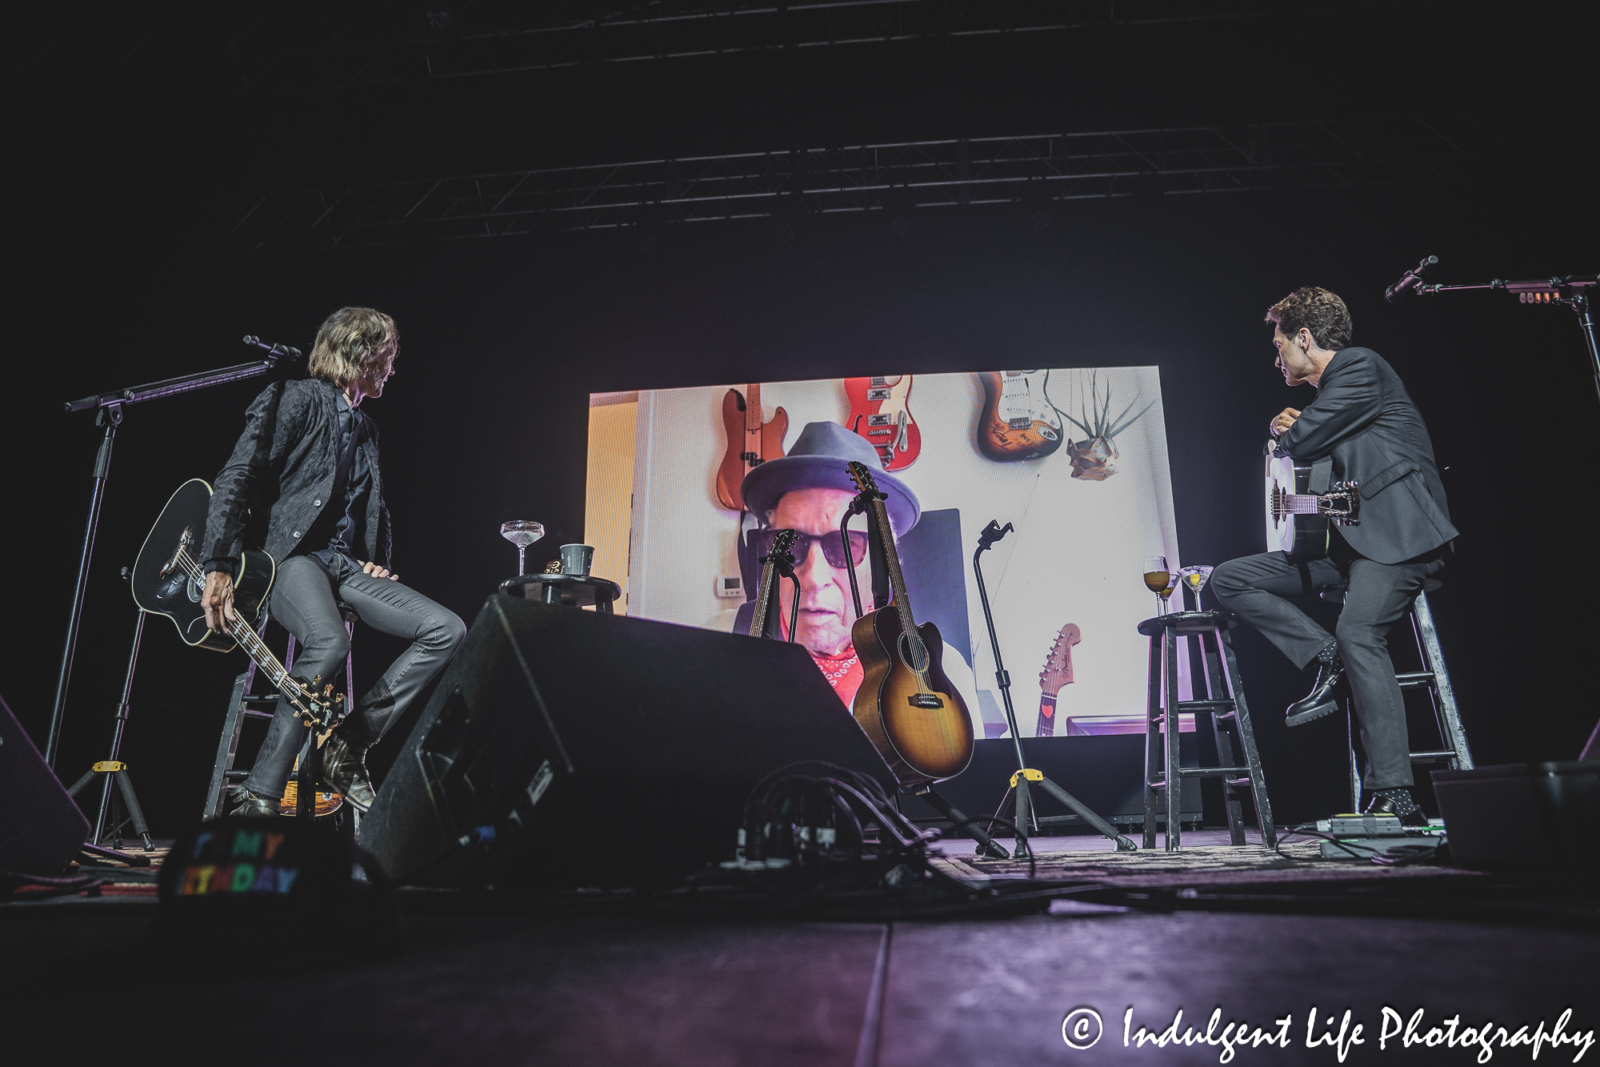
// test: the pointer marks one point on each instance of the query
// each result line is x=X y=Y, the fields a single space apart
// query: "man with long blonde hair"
x=304 y=485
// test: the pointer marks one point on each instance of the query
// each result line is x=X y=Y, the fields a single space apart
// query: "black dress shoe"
x=1320 y=700
x=1390 y=802
x=344 y=766
x=252 y=805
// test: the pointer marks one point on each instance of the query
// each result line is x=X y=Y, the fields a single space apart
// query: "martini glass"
x=522 y=533
x=1196 y=578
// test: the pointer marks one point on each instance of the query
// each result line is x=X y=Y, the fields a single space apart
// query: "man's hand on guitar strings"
x=378 y=572
x=216 y=600
x=1283 y=421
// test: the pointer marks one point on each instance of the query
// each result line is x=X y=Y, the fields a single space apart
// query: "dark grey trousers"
x=304 y=601
x=1259 y=588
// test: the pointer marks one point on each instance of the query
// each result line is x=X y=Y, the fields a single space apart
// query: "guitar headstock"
x=782 y=549
x=320 y=709
x=1342 y=504
x=1058 y=664
x=863 y=478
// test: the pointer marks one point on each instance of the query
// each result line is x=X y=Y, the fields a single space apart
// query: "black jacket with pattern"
x=280 y=478
x=1364 y=418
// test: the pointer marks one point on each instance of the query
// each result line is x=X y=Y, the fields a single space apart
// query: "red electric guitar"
x=751 y=442
x=879 y=412
x=1057 y=673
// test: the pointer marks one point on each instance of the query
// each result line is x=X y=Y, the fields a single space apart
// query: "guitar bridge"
x=930 y=701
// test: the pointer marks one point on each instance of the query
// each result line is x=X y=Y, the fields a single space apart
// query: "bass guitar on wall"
x=906 y=704
x=751 y=442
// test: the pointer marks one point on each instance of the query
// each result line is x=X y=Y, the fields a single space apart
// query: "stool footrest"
x=1208 y=772
x=1438 y=754
x=1416 y=679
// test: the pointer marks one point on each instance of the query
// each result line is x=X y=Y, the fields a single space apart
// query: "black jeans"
x=1258 y=589
x=304 y=600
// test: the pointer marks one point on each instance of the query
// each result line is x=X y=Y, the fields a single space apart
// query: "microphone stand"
x=108 y=409
x=1570 y=290
x=1025 y=819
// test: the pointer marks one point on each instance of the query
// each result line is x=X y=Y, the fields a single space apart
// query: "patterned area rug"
x=1202 y=865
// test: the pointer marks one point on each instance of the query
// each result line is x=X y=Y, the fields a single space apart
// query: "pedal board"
x=1362 y=835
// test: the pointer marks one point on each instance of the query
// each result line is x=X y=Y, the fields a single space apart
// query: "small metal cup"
x=575 y=560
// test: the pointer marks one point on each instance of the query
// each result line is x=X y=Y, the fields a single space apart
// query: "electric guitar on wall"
x=906 y=704
x=1018 y=421
x=167 y=581
x=1057 y=673
x=751 y=442
x=1300 y=523
x=879 y=412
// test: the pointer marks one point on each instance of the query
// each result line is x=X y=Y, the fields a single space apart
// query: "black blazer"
x=1364 y=418
x=280 y=477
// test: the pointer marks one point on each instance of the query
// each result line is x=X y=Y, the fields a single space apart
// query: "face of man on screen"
x=826 y=609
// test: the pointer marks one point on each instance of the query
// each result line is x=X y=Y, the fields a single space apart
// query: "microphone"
x=1409 y=281
x=274 y=350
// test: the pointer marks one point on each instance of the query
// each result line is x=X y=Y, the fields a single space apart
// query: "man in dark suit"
x=304 y=483
x=1364 y=422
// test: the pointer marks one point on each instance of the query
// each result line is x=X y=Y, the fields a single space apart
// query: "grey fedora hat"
x=818 y=461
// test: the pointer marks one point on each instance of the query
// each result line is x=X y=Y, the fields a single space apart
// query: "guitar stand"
x=1025 y=820
x=988 y=847
x=110 y=819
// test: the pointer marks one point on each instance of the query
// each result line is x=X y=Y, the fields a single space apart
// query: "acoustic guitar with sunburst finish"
x=906 y=704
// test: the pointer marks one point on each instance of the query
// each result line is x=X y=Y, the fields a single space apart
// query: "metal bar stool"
x=1223 y=709
x=1453 y=750
x=243 y=704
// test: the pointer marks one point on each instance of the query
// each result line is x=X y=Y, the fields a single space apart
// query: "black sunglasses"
x=832 y=550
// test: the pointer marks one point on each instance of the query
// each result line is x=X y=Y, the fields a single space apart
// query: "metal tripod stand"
x=110 y=820
x=1025 y=820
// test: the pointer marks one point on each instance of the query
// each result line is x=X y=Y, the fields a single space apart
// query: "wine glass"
x=522 y=533
x=1158 y=580
x=1195 y=578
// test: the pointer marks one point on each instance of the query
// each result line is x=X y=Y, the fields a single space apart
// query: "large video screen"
x=685 y=485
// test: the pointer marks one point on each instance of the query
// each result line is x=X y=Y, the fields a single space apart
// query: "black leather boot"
x=344 y=766
x=1320 y=701
x=1399 y=803
x=242 y=801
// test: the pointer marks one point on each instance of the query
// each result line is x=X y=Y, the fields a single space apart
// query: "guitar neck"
x=1300 y=504
x=752 y=410
x=897 y=580
x=252 y=644
x=758 y=623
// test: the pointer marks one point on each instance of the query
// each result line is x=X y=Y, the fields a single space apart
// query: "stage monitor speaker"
x=41 y=829
x=575 y=748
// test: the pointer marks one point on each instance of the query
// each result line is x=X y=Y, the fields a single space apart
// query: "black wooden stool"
x=1453 y=750
x=1225 y=712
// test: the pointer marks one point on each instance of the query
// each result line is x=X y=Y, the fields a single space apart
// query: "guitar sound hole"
x=913 y=652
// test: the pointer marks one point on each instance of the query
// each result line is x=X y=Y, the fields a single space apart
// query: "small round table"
x=564 y=589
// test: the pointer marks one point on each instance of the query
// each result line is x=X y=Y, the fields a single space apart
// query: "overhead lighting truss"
x=470 y=39
x=898 y=178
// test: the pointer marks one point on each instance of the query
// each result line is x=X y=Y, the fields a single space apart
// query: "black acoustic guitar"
x=906 y=704
x=1299 y=522
x=167 y=580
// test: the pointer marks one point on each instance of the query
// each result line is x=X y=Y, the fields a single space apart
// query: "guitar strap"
x=1321 y=477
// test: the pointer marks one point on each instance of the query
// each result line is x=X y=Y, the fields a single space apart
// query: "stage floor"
x=501 y=982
